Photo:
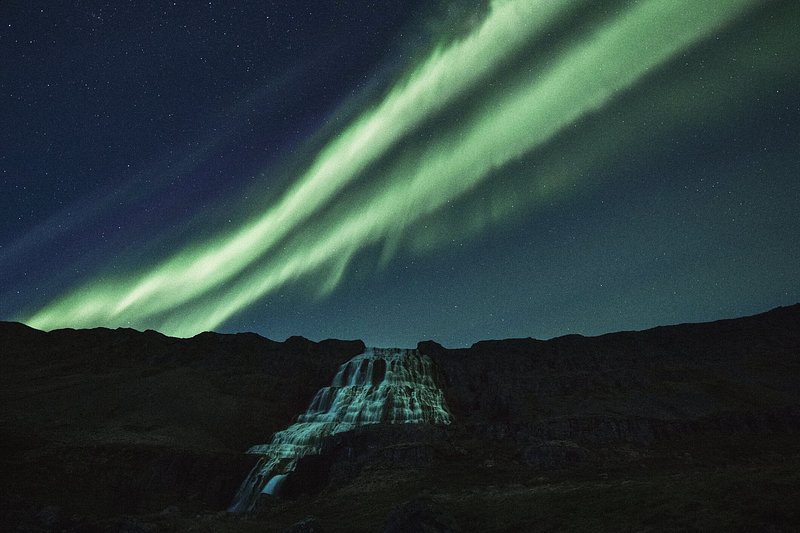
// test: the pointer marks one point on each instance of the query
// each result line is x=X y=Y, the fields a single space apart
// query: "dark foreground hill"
x=690 y=427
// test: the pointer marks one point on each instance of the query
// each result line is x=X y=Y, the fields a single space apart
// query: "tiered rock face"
x=730 y=376
x=379 y=386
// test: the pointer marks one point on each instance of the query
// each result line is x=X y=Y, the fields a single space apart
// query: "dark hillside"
x=688 y=427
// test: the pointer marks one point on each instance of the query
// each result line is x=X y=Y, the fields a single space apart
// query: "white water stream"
x=379 y=386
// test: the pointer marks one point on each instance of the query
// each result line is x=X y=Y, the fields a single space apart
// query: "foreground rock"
x=420 y=515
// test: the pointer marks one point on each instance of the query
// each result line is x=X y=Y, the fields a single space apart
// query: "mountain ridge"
x=109 y=426
x=772 y=311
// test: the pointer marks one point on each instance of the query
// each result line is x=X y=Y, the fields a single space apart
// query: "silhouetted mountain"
x=682 y=427
x=630 y=386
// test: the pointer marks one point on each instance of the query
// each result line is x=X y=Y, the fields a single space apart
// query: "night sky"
x=398 y=170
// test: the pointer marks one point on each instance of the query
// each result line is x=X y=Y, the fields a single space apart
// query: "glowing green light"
x=199 y=288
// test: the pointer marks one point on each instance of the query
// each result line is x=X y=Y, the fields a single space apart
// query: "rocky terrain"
x=689 y=427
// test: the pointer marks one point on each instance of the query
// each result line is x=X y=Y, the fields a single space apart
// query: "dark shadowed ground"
x=691 y=427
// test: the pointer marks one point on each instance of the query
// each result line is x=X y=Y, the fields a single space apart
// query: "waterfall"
x=379 y=386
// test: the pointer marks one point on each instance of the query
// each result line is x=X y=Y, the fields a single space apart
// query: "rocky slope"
x=681 y=427
x=104 y=422
x=637 y=387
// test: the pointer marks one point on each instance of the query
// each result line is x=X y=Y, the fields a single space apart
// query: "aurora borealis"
x=518 y=168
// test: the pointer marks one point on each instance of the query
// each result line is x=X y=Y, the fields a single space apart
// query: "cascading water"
x=379 y=386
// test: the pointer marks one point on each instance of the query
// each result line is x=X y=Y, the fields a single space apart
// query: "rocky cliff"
x=679 y=427
x=631 y=386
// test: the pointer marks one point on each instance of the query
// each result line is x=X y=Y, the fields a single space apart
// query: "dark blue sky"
x=640 y=177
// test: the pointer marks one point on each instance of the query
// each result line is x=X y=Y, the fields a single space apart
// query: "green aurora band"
x=389 y=183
